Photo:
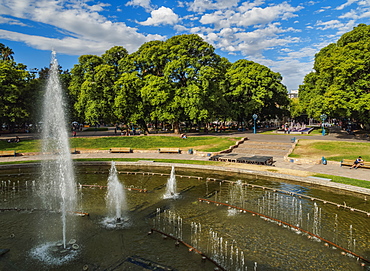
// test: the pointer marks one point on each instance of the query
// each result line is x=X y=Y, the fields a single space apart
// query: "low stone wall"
x=230 y=149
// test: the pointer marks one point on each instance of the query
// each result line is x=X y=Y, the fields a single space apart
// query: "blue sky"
x=282 y=35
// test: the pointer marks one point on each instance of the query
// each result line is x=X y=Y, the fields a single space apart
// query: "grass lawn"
x=345 y=180
x=192 y=162
x=331 y=150
x=23 y=146
x=207 y=144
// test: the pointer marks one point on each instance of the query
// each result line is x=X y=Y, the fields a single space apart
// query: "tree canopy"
x=181 y=79
x=254 y=89
x=339 y=86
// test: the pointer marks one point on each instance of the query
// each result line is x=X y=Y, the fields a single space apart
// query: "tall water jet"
x=57 y=188
x=171 y=186
x=115 y=197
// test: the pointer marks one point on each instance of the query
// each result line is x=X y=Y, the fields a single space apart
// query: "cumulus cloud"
x=4 y=20
x=341 y=27
x=253 y=16
x=162 y=16
x=203 y=5
x=140 y=3
x=348 y=3
x=85 y=26
x=250 y=43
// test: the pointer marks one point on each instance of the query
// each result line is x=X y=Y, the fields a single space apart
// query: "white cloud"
x=348 y=3
x=248 y=43
x=332 y=24
x=341 y=27
x=180 y=4
x=349 y=15
x=85 y=27
x=140 y=3
x=245 y=6
x=253 y=16
x=203 y=5
x=162 y=16
x=4 y=20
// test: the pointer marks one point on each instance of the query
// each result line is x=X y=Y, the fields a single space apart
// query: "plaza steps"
x=275 y=149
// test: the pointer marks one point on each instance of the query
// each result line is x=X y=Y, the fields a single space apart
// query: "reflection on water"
x=236 y=240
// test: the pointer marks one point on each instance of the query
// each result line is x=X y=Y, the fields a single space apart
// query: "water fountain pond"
x=234 y=239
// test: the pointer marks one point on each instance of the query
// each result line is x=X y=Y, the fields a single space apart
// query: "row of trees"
x=182 y=79
x=178 y=80
x=339 y=86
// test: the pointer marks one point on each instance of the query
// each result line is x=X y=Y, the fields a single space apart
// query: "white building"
x=293 y=94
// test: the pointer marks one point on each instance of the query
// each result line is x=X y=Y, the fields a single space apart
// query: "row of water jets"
x=221 y=250
x=271 y=204
x=275 y=205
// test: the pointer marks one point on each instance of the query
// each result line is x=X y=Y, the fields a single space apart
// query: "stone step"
x=262 y=153
x=267 y=147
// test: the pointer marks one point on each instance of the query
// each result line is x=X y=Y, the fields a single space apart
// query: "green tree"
x=192 y=77
x=92 y=85
x=6 y=53
x=16 y=93
x=255 y=89
x=340 y=83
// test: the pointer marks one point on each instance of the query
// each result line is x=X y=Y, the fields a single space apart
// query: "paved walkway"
x=331 y=169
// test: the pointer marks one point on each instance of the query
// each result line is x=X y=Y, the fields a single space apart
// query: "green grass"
x=192 y=162
x=206 y=144
x=331 y=150
x=23 y=146
x=20 y=162
x=209 y=144
x=345 y=180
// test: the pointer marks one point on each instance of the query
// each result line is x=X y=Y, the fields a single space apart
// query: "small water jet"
x=115 y=198
x=171 y=186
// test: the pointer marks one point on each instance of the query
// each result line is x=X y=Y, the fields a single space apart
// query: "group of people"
x=16 y=140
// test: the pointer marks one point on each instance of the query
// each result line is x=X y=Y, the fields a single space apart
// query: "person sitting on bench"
x=358 y=162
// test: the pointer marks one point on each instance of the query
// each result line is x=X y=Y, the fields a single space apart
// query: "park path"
x=277 y=147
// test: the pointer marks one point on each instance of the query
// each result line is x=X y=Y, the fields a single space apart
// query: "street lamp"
x=254 y=119
x=323 y=118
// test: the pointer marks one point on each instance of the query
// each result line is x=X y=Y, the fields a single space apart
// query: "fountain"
x=171 y=187
x=276 y=225
x=231 y=221
x=57 y=188
x=115 y=198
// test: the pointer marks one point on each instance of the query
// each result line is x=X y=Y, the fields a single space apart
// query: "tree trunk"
x=176 y=127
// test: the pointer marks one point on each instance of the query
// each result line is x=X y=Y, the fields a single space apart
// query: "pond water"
x=233 y=239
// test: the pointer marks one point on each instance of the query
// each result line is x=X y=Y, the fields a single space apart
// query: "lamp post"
x=323 y=118
x=254 y=120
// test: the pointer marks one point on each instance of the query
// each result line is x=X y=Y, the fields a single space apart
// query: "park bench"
x=120 y=150
x=349 y=162
x=169 y=150
x=7 y=153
